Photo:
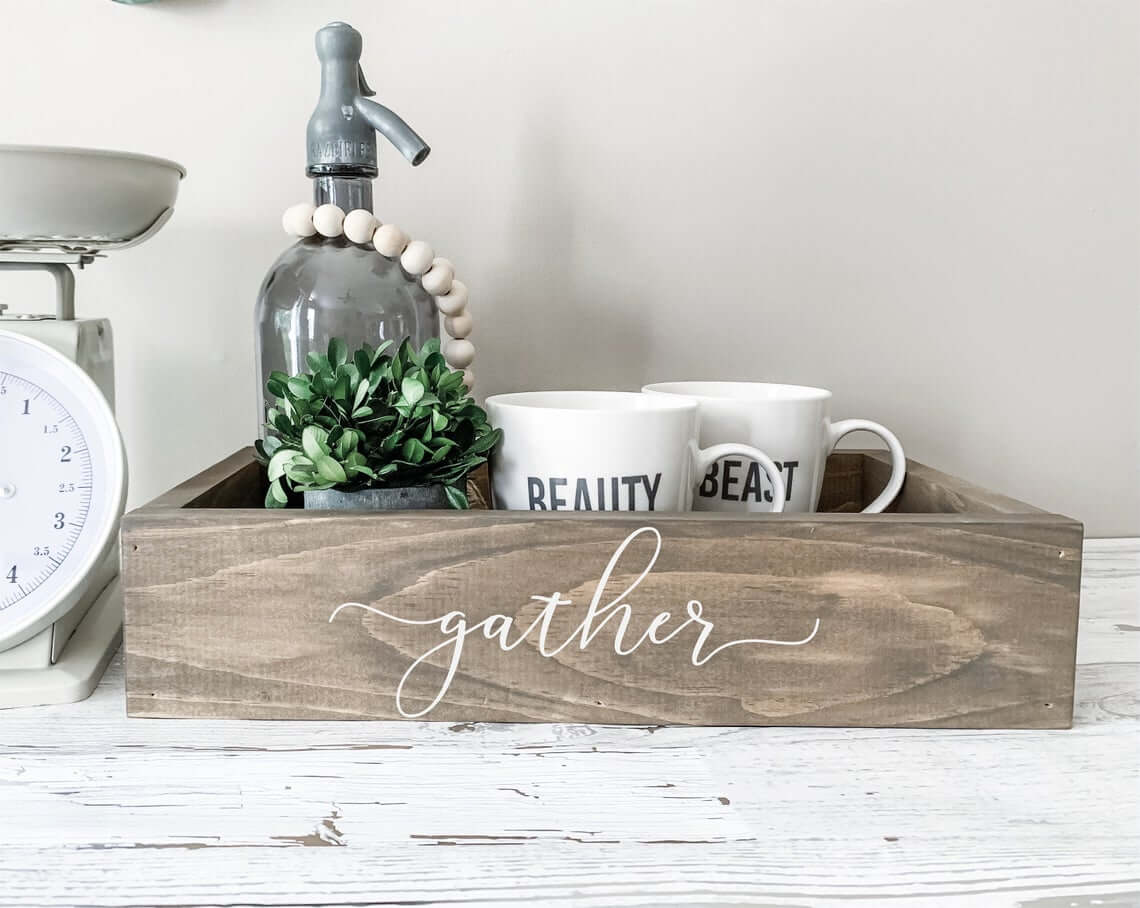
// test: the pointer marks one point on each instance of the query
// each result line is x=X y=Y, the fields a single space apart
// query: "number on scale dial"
x=62 y=485
x=45 y=512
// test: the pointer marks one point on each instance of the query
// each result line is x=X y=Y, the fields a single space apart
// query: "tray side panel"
x=921 y=621
x=842 y=491
x=238 y=481
x=929 y=491
x=231 y=483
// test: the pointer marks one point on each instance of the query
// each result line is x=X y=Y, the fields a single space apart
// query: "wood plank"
x=842 y=489
x=932 y=620
x=230 y=483
x=930 y=491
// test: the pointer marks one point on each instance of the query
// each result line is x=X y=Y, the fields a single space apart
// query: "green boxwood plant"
x=375 y=419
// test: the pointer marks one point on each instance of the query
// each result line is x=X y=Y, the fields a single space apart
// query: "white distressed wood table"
x=98 y=809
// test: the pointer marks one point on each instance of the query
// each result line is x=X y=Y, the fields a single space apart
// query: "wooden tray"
x=959 y=609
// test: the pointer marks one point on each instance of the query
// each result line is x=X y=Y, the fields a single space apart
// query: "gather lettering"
x=617 y=613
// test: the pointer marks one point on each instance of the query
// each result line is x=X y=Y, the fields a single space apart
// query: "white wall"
x=932 y=208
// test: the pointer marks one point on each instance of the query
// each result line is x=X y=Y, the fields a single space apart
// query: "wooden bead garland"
x=454 y=301
x=359 y=225
x=459 y=353
x=389 y=240
x=458 y=326
x=298 y=219
x=329 y=221
x=416 y=258
x=437 y=279
x=436 y=275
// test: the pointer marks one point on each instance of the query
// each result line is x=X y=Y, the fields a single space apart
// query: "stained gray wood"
x=843 y=483
x=231 y=483
x=946 y=619
x=929 y=491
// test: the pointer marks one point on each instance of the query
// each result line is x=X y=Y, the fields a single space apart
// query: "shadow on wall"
x=551 y=307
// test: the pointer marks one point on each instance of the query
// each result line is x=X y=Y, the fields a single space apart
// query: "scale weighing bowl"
x=82 y=199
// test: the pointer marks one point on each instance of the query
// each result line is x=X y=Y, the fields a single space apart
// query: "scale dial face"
x=63 y=483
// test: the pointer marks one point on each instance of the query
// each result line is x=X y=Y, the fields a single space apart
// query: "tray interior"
x=853 y=478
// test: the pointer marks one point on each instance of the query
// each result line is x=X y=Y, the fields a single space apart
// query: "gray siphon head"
x=342 y=130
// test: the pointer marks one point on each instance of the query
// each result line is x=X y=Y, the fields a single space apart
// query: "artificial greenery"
x=373 y=420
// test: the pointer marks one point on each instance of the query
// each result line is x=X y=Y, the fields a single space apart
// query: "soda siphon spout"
x=341 y=136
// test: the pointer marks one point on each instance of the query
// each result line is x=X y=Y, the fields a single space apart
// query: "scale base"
x=78 y=670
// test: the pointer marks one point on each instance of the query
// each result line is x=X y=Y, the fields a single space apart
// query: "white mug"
x=790 y=422
x=604 y=451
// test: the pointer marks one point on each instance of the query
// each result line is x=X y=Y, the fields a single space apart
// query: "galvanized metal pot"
x=406 y=498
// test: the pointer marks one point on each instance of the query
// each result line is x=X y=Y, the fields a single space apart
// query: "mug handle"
x=898 y=458
x=706 y=457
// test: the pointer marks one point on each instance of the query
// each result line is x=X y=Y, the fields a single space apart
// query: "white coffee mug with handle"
x=605 y=451
x=790 y=422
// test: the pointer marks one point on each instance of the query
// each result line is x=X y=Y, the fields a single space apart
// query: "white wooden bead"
x=417 y=257
x=329 y=220
x=469 y=378
x=458 y=326
x=437 y=280
x=359 y=225
x=389 y=240
x=459 y=353
x=298 y=219
x=454 y=301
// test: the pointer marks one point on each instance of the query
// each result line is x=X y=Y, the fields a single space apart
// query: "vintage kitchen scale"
x=63 y=471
